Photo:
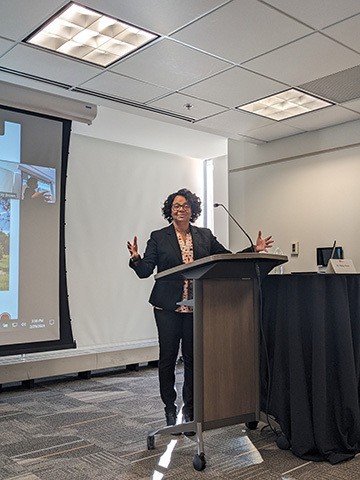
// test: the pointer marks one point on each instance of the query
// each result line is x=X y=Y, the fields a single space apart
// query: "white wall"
x=304 y=188
x=221 y=195
x=115 y=191
x=139 y=131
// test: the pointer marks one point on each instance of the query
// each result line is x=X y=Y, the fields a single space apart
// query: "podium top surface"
x=230 y=261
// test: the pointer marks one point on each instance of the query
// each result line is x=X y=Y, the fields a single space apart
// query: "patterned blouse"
x=187 y=254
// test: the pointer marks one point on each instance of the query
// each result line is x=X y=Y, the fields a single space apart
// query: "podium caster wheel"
x=252 y=425
x=199 y=462
x=150 y=442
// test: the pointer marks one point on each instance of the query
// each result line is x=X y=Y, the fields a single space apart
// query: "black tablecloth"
x=311 y=324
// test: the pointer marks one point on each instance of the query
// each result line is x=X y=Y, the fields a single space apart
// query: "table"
x=311 y=325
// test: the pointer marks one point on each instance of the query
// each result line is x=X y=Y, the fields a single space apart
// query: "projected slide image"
x=29 y=230
x=20 y=182
x=10 y=190
x=4 y=243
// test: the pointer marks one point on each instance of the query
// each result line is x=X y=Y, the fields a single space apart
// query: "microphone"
x=237 y=223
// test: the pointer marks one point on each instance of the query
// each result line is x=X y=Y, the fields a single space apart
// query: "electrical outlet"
x=295 y=248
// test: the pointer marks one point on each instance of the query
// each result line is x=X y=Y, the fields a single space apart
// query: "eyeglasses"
x=179 y=206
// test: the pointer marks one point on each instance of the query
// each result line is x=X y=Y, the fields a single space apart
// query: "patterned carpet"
x=75 y=429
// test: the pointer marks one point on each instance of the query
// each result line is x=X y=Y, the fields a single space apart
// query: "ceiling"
x=211 y=57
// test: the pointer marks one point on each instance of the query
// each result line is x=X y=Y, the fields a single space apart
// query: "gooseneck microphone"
x=237 y=223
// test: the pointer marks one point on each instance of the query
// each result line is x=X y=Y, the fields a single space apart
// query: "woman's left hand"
x=262 y=244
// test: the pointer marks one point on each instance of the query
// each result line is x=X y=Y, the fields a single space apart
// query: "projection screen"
x=34 y=311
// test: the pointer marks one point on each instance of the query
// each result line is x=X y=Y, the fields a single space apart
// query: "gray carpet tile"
x=77 y=429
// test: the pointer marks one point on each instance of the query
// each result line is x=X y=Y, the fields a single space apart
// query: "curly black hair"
x=192 y=199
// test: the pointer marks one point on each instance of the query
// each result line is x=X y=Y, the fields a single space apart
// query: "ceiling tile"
x=15 y=25
x=325 y=117
x=353 y=105
x=235 y=87
x=117 y=126
x=177 y=103
x=273 y=132
x=159 y=16
x=346 y=32
x=304 y=60
x=117 y=85
x=222 y=33
x=170 y=65
x=235 y=122
x=318 y=13
x=5 y=45
x=26 y=59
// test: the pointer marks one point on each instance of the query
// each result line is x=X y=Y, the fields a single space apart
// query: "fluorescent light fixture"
x=90 y=36
x=285 y=105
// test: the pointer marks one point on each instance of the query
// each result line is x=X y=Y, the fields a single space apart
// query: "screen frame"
x=66 y=339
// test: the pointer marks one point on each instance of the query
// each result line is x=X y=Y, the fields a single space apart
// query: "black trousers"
x=173 y=328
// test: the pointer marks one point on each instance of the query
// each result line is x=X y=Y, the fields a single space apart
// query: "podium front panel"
x=226 y=335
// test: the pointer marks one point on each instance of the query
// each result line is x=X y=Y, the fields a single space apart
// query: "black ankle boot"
x=171 y=420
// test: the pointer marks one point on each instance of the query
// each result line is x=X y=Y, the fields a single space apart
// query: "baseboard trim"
x=32 y=366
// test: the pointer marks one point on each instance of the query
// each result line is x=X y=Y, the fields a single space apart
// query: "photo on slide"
x=4 y=243
x=38 y=183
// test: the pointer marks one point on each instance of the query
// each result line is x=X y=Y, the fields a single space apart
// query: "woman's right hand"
x=133 y=249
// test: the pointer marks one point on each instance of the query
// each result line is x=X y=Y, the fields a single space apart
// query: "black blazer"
x=163 y=251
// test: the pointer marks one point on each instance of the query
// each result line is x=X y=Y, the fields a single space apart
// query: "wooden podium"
x=226 y=340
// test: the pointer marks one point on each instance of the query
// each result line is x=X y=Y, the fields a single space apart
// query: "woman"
x=169 y=247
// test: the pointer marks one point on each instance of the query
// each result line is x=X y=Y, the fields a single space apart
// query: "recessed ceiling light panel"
x=90 y=36
x=285 y=105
